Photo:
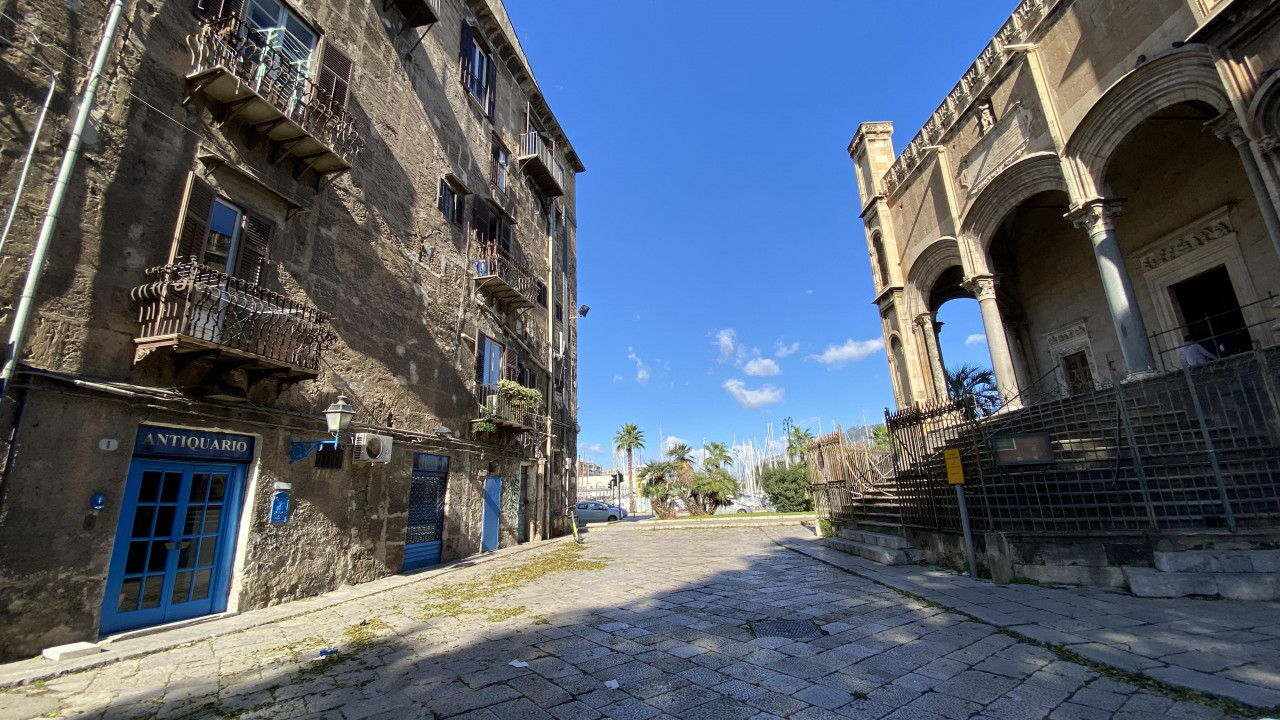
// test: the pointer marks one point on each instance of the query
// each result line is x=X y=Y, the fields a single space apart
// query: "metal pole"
x=1208 y=449
x=968 y=536
x=23 y=313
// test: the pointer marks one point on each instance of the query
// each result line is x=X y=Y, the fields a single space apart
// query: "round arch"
x=925 y=269
x=1264 y=111
x=1030 y=176
x=1181 y=75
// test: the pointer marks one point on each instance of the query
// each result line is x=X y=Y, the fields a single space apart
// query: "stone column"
x=1095 y=216
x=1226 y=128
x=983 y=288
x=927 y=322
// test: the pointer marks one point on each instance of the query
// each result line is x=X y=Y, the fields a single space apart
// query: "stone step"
x=1219 y=561
x=895 y=542
x=1253 y=586
x=874 y=553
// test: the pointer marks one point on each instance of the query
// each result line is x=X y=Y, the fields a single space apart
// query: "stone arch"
x=1264 y=111
x=925 y=269
x=1027 y=177
x=880 y=260
x=901 y=371
x=1182 y=75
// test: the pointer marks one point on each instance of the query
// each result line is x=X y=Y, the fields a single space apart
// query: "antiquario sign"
x=155 y=441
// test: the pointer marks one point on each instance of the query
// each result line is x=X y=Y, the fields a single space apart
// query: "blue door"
x=492 y=513
x=174 y=543
x=426 y=511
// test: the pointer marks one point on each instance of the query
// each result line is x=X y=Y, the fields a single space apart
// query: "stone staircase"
x=883 y=548
x=1228 y=574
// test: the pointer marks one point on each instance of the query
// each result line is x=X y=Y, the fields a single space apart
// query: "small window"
x=542 y=294
x=479 y=72
x=559 y=312
x=501 y=165
x=450 y=202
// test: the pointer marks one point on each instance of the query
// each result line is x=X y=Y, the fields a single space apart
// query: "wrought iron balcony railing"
x=193 y=308
x=497 y=409
x=239 y=67
x=539 y=161
x=502 y=276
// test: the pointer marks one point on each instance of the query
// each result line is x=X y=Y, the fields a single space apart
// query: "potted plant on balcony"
x=523 y=400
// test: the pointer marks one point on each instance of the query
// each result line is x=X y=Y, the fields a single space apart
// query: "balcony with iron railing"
x=194 y=309
x=237 y=66
x=504 y=278
x=538 y=159
x=416 y=12
x=496 y=408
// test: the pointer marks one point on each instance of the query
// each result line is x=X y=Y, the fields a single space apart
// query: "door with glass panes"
x=174 y=543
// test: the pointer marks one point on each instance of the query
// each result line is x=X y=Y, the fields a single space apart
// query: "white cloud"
x=616 y=378
x=671 y=441
x=786 y=350
x=726 y=339
x=851 y=351
x=594 y=449
x=642 y=370
x=975 y=339
x=761 y=367
x=752 y=399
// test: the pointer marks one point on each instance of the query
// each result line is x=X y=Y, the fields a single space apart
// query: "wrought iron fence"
x=231 y=44
x=190 y=299
x=1217 y=335
x=493 y=261
x=497 y=408
x=1188 y=449
x=534 y=144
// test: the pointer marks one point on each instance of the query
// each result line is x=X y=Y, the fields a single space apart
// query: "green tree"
x=658 y=484
x=977 y=381
x=787 y=487
x=628 y=439
x=711 y=489
x=717 y=456
x=880 y=437
x=798 y=443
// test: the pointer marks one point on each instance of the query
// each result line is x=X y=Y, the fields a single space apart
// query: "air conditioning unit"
x=369 y=447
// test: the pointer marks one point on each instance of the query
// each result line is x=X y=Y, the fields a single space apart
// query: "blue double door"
x=174 y=543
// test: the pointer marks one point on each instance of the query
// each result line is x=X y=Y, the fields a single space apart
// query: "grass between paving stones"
x=1145 y=682
x=464 y=598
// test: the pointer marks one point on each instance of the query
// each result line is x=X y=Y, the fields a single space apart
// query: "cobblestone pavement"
x=668 y=619
x=1225 y=648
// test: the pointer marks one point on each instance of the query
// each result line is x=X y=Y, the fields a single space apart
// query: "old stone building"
x=1104 y=180
x=275 y=203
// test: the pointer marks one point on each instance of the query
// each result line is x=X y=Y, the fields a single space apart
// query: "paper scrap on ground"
x=518 y=663
x=611 y=684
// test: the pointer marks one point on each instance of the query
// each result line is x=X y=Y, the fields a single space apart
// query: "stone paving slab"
x=1223 y=647
x=661 y=632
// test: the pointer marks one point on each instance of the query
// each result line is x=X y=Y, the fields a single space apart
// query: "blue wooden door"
x=174 y=543
x=426 y=520
x=492 y=513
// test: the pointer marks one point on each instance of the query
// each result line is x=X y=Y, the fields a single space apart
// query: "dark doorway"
x=1211 y=312
x=1079 y=376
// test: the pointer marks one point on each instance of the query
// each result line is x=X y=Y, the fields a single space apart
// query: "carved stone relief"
x=1000 y=147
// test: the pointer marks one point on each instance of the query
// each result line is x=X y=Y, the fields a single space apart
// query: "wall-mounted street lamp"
x=338 y=416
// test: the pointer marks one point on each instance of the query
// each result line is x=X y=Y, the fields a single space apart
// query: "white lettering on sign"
x=188 y=442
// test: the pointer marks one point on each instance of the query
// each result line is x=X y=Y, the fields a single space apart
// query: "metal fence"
x=844 y=472
x=1193 y=448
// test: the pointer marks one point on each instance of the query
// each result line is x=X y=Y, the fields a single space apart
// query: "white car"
x=733 y=508
x=596 y=511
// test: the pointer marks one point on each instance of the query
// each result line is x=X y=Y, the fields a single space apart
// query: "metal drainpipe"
x=23 y=313
x=548 y=532
x=31 y=149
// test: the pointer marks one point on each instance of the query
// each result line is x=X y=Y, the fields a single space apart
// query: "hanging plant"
x=523 y=400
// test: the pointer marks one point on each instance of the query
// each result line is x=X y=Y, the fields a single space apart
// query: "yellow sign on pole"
x=955 y=470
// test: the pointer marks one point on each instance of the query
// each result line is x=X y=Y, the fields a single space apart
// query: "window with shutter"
x=464 y=58
x=193 y=222
x=491 y=87
x=450 y=202
x=214 y=9
x=480 y=345
x=335 y=78
x=255 y=247
x=511 y=361
x=480 y=222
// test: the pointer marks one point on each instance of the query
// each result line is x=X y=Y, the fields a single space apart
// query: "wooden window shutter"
x=504 y=234
x=480 y=353
x=440 y=199
x=255 y=247
x=335 y=78
x=214 y=9
x=193 y=223
x=511 y=359
x=464 y=61
x=492 y=82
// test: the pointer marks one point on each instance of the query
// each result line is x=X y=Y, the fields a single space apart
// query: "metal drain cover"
x=792 y=629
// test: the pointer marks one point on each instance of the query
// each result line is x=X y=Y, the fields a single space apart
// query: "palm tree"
x=658 y=478
x=681 y=453
x=977 y=381
x=630 y=438
x=717 y=456
x=798 y=442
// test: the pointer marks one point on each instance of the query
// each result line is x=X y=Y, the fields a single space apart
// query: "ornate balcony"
x=538 y=159
x=194 y=309
x=504 y=278
x=236 y=66
x=497 y=409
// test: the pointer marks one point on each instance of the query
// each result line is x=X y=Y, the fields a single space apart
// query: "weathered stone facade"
x=1143 y=131
x=407 y=303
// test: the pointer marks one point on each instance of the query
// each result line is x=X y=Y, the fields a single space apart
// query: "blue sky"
x=719 y=244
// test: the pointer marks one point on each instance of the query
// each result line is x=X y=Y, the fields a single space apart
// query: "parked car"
x=734 y=507
x=596 y=511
